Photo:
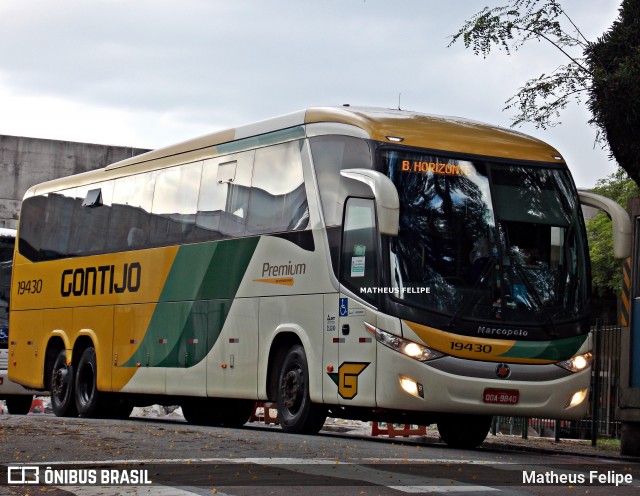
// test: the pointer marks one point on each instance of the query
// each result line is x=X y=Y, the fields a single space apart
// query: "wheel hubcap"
x=59 y=382
x=291 y=388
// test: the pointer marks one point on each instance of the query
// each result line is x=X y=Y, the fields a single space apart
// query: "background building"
x=28 y=161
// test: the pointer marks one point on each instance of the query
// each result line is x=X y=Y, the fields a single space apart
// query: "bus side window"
x=58 y=221
x=278 y=199
x=175 y=202
x=331 y=154
x=90 y=225
x=132 y=197
x=224 y=192
x=359 y=248
x=32 y=223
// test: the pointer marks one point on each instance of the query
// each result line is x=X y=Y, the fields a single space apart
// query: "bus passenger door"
x=359 y=263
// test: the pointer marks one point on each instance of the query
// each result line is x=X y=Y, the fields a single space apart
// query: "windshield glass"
x=491 y=241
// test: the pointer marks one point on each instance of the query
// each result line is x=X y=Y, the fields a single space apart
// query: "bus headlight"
x=577 y=363
x=409 y=348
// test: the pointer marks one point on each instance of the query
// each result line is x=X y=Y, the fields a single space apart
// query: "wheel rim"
x=60 y=383
x=293 y=390
x=86 y=383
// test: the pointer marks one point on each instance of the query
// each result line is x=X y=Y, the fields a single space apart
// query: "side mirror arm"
x=386 y=195
x=619 y=218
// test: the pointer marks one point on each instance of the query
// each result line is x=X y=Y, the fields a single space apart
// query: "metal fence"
x=600 y=421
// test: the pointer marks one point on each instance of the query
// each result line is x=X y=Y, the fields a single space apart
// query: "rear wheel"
x=86 y=391
x=296 y=412
x=19 y=404
x=62 y=400
x=218 y=412
x=464 y=431
x=93 y=403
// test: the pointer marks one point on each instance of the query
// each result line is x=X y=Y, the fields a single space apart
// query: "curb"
x=553 y=448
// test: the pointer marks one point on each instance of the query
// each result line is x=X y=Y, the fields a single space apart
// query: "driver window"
x=359 y=248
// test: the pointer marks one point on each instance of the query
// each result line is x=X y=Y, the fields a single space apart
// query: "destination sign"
x=447 y=169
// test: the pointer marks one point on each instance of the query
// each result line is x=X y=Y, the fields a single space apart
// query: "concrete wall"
x=28 y=161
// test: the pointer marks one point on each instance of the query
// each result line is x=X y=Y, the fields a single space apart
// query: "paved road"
x=181 y=459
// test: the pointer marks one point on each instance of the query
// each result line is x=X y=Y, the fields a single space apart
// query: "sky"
x=149 y=73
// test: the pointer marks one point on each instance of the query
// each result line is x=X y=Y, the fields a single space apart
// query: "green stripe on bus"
x=194 y=303
x=556 y=350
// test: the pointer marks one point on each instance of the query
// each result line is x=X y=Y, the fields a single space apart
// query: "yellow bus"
x=353 y=262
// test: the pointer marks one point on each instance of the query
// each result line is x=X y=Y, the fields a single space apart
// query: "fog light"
x=412 y=387
x=577 y=398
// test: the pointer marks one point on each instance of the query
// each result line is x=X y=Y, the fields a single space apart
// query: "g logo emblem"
x=347 y=379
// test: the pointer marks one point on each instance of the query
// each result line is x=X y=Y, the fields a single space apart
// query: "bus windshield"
x=492 y=241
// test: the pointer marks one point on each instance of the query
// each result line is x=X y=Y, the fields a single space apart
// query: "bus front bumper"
x=405 y=383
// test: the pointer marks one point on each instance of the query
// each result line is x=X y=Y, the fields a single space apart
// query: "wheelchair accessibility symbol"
x=344 y=307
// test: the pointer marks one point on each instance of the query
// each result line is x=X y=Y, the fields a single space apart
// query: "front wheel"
x=296 y=412
x=62 y=401
x=464 y=431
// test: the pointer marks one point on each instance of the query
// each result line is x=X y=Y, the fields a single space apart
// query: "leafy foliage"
x=606 y=271
x=508 y=28
x=605 y=72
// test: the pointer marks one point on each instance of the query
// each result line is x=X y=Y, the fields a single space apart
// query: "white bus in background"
x=18 y=398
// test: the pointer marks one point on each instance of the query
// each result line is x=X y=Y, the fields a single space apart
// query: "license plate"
x=501 y=396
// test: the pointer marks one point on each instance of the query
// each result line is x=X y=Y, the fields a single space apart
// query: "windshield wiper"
x=466 y=299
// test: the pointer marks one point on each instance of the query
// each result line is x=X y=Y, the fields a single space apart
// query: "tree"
x=606 y=271
x=604 y=73
x=614 y=63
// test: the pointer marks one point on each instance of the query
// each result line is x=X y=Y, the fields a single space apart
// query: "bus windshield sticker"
x=332 y=322
x=357 y=266
x=344 y=307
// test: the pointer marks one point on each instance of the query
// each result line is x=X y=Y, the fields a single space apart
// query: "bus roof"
x=415 y=129
x=451 y=134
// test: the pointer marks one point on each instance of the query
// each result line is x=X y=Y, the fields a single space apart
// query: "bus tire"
x=19 y=404
x=464 y=431
x=62 y=397
x=296 y=413
x=86 y=391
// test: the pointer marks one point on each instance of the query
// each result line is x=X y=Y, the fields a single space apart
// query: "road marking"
x=128 y=491
x=281 y=461
x=443 y=489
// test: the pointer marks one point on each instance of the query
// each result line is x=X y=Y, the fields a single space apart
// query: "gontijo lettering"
x=436 y=168
x=104 y=279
